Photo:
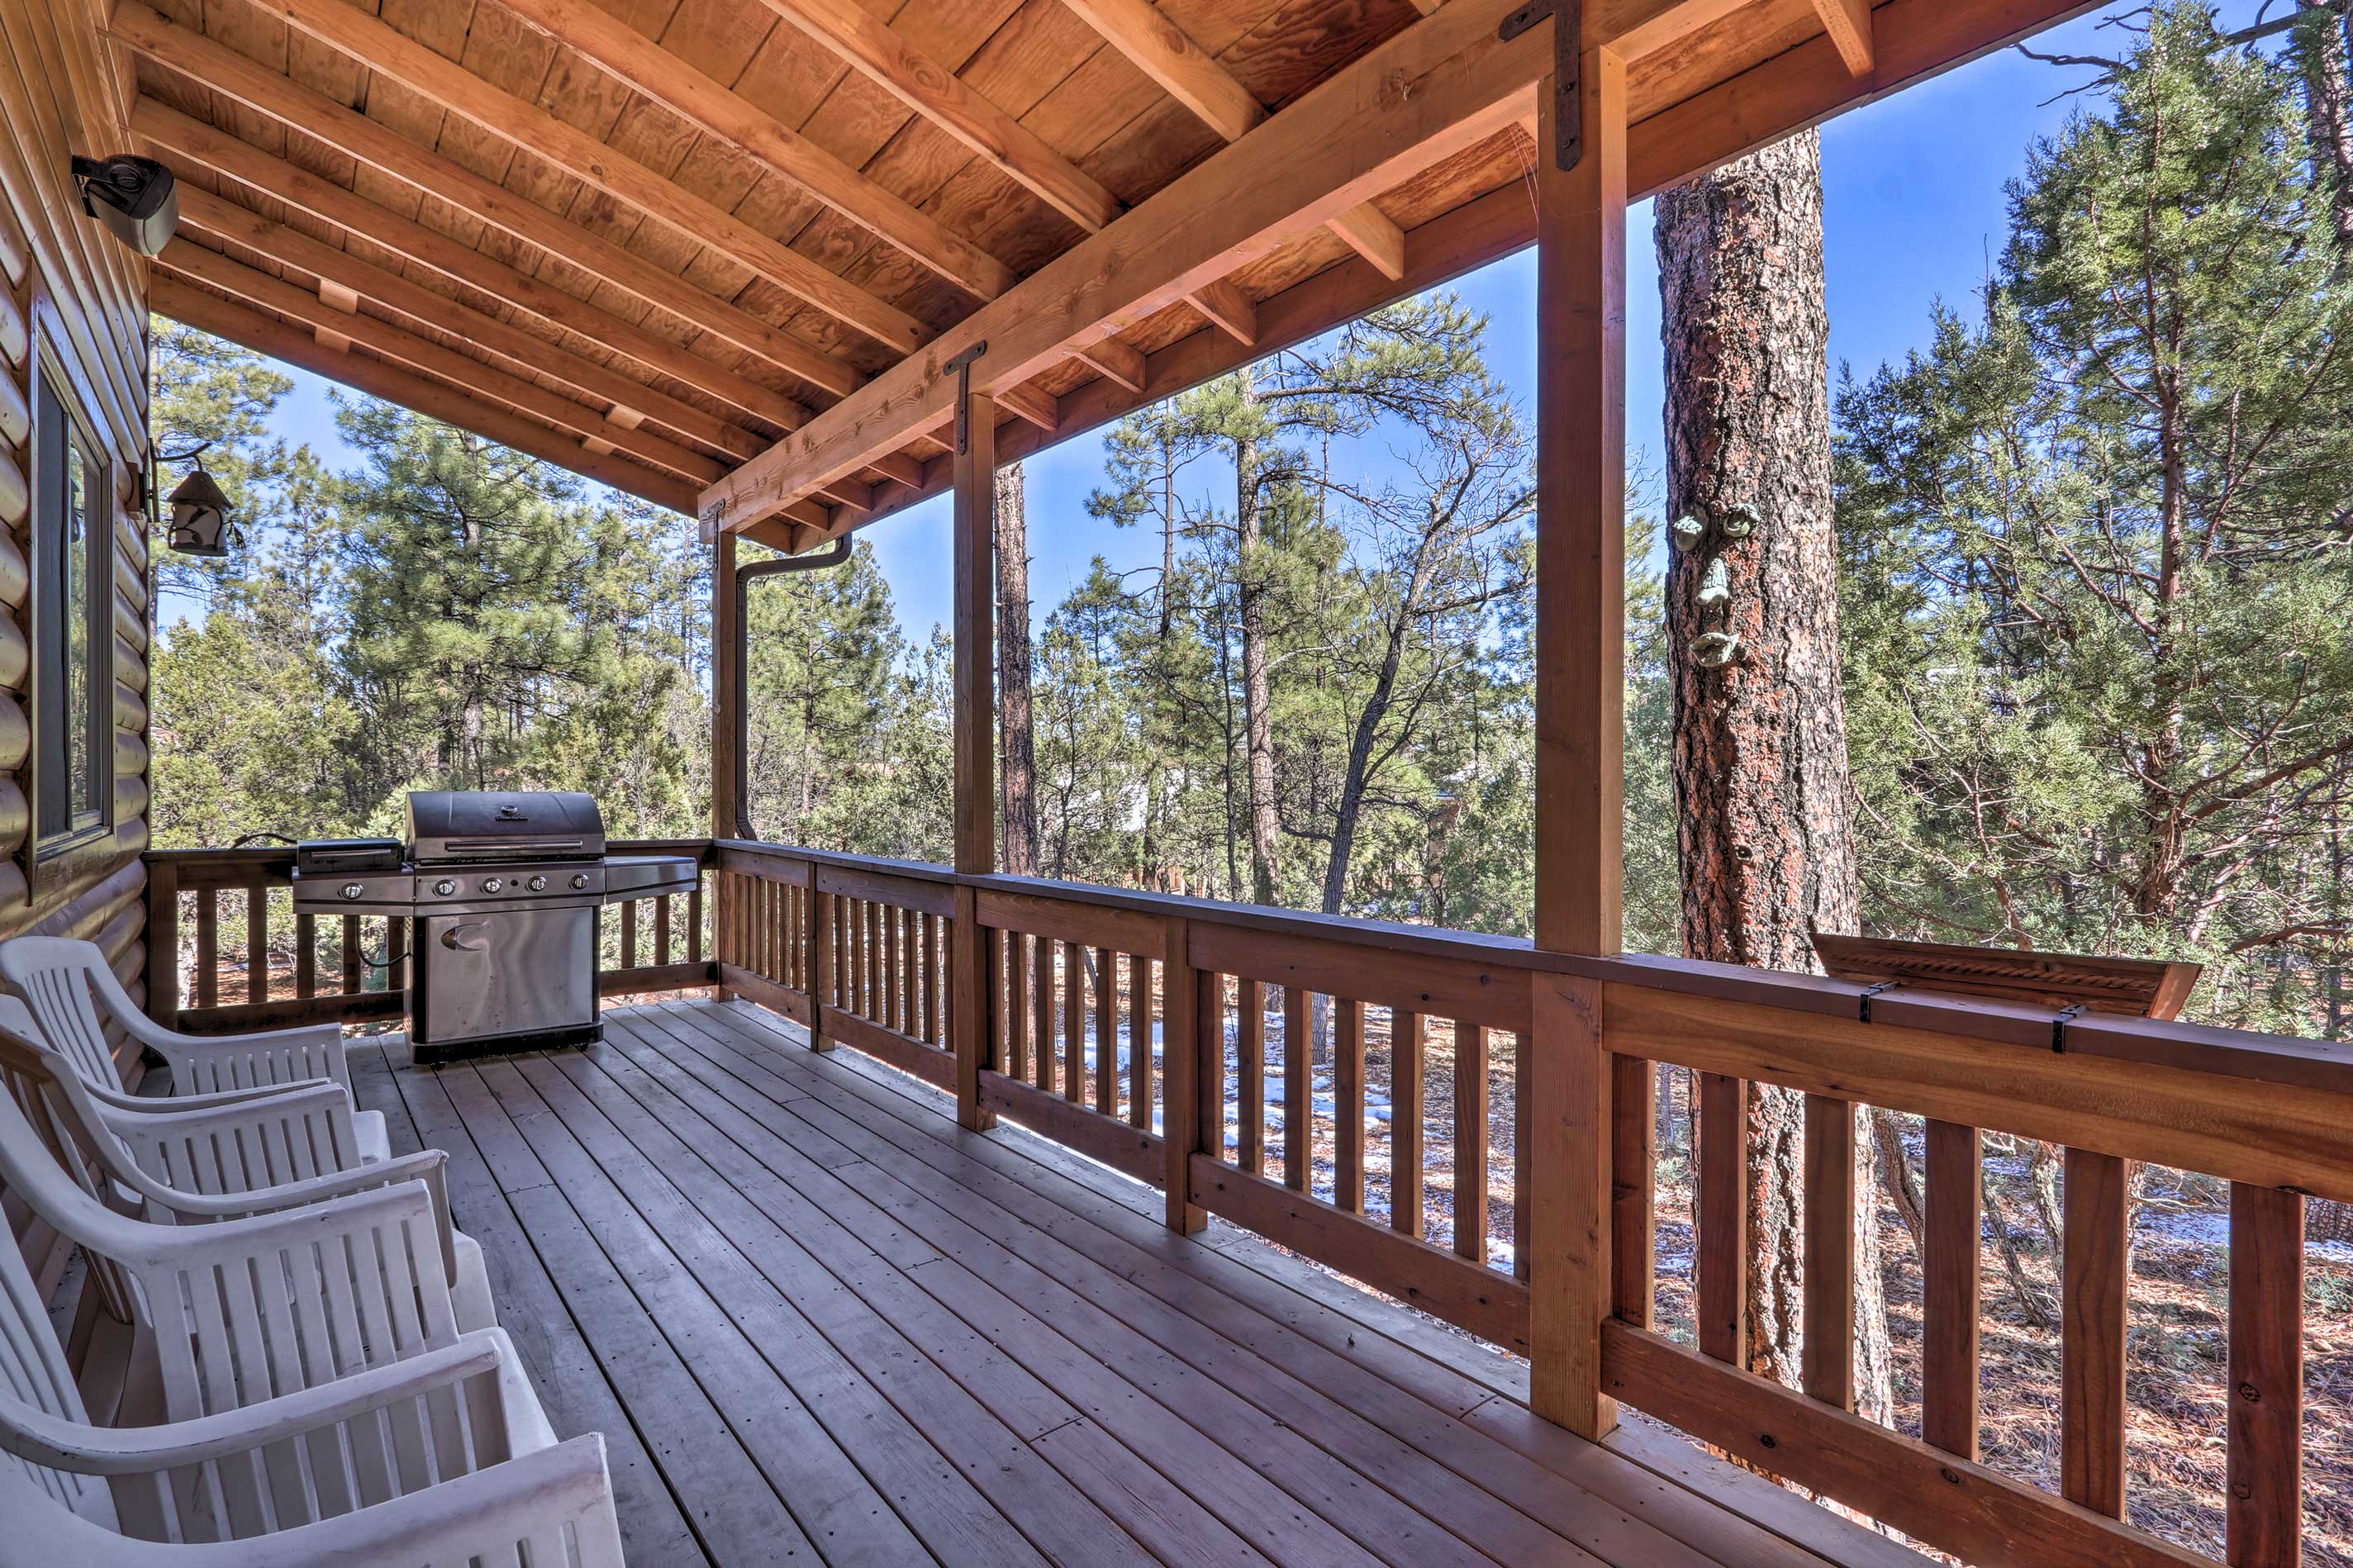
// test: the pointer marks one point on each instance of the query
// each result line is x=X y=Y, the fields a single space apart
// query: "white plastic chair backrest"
x=34 y=1375
x=56 y=976
x=22 y=1049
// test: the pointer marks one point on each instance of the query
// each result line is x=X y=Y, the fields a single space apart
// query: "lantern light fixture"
x=200 y=511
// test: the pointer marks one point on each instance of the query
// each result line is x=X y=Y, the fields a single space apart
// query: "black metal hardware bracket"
x=962 y=365
x=1567 y=36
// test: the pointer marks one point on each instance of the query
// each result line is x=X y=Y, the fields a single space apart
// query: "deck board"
x=819 y=1322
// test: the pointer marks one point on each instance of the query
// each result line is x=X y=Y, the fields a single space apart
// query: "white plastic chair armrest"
x=212 y=1100
x=144 y=1451
x=480 y=1515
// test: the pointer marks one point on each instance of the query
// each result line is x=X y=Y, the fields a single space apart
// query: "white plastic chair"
x=72 y=1492
x=174 y=1161
x=73 y=995
x=242 y=1311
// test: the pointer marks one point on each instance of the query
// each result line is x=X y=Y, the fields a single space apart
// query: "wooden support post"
x=164 y=944
x=1580 y=735
x=725 y=809
x=974 y=526
x=1184 y=1002
x=825 y=962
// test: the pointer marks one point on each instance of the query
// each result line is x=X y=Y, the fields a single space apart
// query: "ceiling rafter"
x=168 y=130
x=186 y=258
x=257 y=86
x=1848 y=23
x=226 y=220
x=241 y=324
x=720 y=112
x=394 y=54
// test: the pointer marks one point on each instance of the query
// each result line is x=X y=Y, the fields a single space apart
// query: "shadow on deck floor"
x=819 y=1323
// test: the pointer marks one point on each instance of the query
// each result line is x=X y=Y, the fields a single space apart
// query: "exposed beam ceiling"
x=186 y=140
x=1226 y=206
x=712 y=107
x=392 y=53
x=241 y=324
x=266 y=92
x=1847 y=24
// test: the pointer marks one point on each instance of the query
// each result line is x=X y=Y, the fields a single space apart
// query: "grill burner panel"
x=503 y=890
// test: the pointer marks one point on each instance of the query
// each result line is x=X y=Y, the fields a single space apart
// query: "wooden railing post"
x=968 y=1009
x=822 y=959
x=164 y=944
x=1566 y=1232
x=1185 y=1016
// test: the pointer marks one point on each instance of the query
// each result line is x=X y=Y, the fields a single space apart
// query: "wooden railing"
x=237 y=957
x=1217 y=1051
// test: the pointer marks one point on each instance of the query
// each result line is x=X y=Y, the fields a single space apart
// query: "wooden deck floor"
x=818 y=1323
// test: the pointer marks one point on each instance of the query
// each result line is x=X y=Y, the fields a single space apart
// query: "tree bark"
x=1257 y=721
x=1017 y=770
x=2328 y=109
x=1765 y=818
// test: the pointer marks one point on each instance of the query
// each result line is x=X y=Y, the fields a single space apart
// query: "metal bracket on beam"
x=962 y=365
x=1567 y=34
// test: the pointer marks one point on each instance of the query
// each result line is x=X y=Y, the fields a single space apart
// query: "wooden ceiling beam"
x=1848 y=23
x=1442 y=84
x=1228 y=309
x=1119 y=360
x=240 y=324
x=215 y=66
x=865 y=43
x=720 y=112
x=1374 y=235
x=187 y=139
x=392 y=53
x=186 y=258
x=223 y=219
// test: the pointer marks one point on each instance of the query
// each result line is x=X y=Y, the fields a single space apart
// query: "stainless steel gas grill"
x=504 y=890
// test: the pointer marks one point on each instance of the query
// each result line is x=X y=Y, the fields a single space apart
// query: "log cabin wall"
x=74 y=336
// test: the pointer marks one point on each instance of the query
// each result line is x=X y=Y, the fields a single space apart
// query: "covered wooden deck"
x=816 y=1323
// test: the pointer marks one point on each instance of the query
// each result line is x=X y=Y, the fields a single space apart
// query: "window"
x=73 y=624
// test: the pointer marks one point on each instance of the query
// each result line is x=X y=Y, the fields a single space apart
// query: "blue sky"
x=1913 y=212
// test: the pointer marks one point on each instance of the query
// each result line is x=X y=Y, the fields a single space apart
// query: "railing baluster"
x=2093 y=1279
x=1827 y=1369
x=927 y=930
x=1074 y=1023
x=1186 y=1061
x=1949 y=1268
x=164 y=944
x=1348 y=1104
x=1405 y=1122
x=1017 y=1003
x=1139 y=1040
x=695 y=920
x=351 y=951
x=1298 y=1112
x=1469 y=1141
x=1721 y=1258
x=1633 y=1199
x=629 y=914
x=1250 y=1076
x=1042 y=972
x=207 y=947
x=1521 y=1056
x=256 y=942
x=1106 y=1048
x=2263 y=1512
x=661 y=931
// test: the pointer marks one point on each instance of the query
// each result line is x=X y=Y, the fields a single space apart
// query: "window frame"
x=58 y=836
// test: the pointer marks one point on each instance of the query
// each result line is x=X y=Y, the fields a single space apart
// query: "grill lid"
x=448 y=827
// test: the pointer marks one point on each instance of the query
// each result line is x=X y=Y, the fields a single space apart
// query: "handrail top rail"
x=2290 y=1061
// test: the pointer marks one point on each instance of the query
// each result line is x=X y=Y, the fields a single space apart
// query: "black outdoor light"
x=200 y=511
x=136 y=199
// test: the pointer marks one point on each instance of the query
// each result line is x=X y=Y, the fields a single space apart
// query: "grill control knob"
x=579 y=880
x=351 y=890
x=445 y=887
x=537 y=884
x=493 y=884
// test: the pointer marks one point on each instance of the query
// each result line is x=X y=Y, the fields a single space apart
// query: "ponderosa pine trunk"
x=1765 y=815
x=2328 y=109
x=1016 y=768
x=1258 y=719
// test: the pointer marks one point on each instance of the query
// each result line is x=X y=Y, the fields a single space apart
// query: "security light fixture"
x=136 y=199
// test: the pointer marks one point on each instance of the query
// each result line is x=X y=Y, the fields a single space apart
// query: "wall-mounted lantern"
x=200 y=511
x=136 y=199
